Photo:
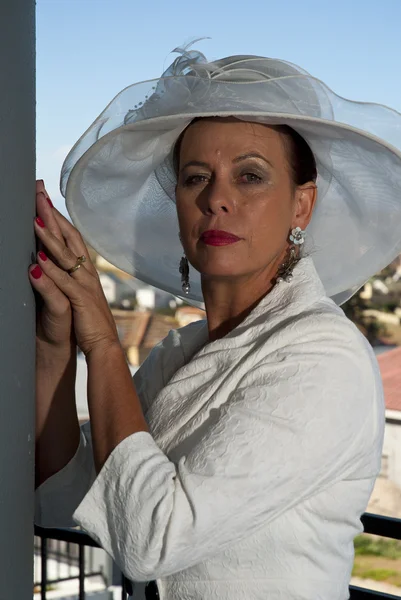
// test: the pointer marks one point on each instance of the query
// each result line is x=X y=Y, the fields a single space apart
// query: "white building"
x=386 y=496
x=124 y=291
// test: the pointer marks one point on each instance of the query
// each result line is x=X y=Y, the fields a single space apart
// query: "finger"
x=48 y=213
x=76 y=289
x=47 y=218
x=71 y=235
x=74 y=240
x=44 y=208
x=44 y=212
x=64 y=258
x=65 y=252
x=40 y=187
x=69 y=286
x=53 y=298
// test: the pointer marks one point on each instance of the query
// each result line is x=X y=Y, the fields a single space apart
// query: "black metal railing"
x=388 y=527
x=80 y=540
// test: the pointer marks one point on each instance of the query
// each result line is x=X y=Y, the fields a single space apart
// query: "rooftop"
x=390 y=368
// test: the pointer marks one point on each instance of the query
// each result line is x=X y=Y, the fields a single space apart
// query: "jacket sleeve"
x=299 y=421
x=59 y=496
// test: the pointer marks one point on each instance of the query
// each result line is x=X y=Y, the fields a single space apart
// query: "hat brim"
x=129 y=216
x=119 y=180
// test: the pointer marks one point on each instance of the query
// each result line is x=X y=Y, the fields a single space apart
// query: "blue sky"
x=88 y=50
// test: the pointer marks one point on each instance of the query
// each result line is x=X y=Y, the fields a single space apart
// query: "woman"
x=239 y=463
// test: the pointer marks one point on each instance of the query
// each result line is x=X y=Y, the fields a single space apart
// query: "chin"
x=221 y=264
x=216 y=271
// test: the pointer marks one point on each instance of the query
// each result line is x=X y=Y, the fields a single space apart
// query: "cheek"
x=269 y=219
x=187 y=214
x=181 y=207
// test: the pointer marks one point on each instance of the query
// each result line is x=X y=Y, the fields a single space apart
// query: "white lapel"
x=186 y=403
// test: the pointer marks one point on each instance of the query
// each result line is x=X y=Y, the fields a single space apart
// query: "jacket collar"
x=284 y=301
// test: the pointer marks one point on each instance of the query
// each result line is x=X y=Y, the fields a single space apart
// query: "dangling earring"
x=184 y=270
x=297 y=237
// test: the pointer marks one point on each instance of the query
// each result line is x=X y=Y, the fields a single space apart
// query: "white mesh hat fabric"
x=119 y=181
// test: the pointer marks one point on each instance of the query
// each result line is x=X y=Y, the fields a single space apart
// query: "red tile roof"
x=157 y=329
x=188 y=310
x=390 y=368
x=142 y=328
x=131 y=326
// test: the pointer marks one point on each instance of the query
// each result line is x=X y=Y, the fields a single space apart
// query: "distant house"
x=396 y=266
x=150 y=298
x=124 y=291
x=390 y=368
x=128 y=292
x=139 y=331
x=382 y=293
x=109 y=287
x=386 y=496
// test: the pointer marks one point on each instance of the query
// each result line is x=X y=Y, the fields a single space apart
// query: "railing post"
x=81 y=576
x=43 y=568
x=17 y=315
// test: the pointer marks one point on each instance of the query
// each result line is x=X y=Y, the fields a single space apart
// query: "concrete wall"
x=17 y=313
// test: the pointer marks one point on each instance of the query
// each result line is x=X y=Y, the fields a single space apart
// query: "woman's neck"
x=226 y=309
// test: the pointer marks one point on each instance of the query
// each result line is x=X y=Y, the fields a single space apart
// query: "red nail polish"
x=36 y=272
x=42 y=255
x=49 y=201
x=39 y=222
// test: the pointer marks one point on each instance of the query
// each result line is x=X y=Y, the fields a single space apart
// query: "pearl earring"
x=297 y=237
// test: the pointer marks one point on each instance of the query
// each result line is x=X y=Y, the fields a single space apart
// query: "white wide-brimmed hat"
x=119 y=180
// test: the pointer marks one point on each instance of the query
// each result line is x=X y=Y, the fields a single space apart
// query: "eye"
x=250 y=178
x=195 y=179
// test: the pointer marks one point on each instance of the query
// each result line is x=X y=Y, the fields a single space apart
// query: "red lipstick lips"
x=216 y=237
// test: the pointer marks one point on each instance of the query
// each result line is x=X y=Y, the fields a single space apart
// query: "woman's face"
x=234 y=177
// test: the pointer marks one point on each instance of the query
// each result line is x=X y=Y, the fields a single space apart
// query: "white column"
x=17 y=312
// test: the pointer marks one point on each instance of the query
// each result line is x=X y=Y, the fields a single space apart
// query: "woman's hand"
x=54 y=333
x=79 y=293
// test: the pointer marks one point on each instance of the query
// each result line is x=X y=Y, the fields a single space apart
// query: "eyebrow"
x=252 y=155
x=195 y=163
x=198 y=163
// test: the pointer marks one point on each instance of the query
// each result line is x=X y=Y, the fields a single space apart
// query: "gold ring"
x=80 y=260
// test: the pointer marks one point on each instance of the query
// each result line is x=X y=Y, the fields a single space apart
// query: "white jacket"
x=262 y=454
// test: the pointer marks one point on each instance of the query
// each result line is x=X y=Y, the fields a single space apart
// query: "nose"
x=219 y=197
